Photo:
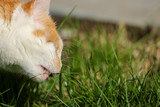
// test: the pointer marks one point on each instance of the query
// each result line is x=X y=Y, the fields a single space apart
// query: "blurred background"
x=139 y=16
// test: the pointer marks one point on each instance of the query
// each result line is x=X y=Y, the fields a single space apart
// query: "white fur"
x=19 y=46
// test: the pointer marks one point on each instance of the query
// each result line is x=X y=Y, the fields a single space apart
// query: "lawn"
x=102 y=66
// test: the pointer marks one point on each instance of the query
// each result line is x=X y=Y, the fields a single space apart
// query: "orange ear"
x=28 y=7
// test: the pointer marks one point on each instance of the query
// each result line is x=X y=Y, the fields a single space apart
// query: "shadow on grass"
x=16 y=90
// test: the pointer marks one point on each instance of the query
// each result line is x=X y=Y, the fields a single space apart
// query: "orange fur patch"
x=7 y=7
x=50 y=28
x=39 y=33
x=50 y=31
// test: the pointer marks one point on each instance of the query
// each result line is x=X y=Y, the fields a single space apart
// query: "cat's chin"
x=41 y=78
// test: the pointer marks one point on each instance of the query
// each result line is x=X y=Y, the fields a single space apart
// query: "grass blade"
x=62 y=101
x=20 y=91
x=5 y=105
x=60 y=26
x=126 y=93
x=100 y=90
x=4 y=92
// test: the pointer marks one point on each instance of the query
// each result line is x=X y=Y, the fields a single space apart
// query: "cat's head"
x=28 y=38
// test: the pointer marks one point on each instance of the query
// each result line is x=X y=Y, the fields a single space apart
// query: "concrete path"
x=132 y=12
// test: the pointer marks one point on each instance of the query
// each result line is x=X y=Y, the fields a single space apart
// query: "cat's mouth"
x=46 y=71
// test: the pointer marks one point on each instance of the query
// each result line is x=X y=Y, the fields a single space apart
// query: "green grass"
x=100 y=68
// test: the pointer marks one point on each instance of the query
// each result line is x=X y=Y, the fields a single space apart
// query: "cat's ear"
x=40 y=10
x=41 y=7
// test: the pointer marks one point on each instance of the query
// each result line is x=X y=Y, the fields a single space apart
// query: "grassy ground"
x=100 y=68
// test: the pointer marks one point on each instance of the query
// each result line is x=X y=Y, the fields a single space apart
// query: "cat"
x=29 y=39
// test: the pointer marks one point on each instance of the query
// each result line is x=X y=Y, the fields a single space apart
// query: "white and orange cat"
x=28 y=38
